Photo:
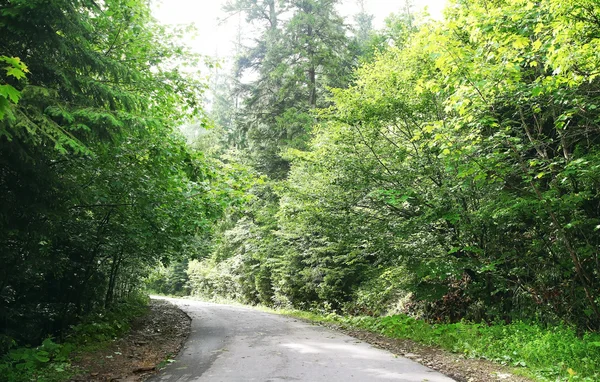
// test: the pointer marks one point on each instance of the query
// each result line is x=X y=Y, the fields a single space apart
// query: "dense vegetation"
x=96 y=185
x=51 y=361
x=453 y=174
x=449 y=170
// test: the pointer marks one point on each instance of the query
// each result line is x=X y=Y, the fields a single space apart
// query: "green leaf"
x=42 y=356
x=15 y=62
x=536 y=91
x=10 y=92
x=15 y=72
x=4 y=105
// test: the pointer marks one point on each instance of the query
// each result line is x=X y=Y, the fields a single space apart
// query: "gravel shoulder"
x=451 y=364
x=154 y=339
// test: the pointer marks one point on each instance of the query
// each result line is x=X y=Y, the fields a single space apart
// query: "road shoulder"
x=155 y=338
x=453 y=365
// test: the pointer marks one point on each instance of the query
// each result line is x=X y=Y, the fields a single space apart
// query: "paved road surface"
x=231 y=343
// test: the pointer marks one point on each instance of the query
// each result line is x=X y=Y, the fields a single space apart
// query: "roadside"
x=237 y=343
x=451 y=364
x=155 y=338
x=158 y=336
x=454 y=365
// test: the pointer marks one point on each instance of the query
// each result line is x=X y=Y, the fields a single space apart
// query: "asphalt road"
x=231 y=343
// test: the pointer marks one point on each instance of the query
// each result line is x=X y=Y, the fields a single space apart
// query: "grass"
x=51 y=361
x=545 y=354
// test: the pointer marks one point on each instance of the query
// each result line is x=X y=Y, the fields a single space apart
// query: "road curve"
x=232 y=343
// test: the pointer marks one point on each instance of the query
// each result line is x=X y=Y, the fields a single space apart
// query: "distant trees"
x=301 y=48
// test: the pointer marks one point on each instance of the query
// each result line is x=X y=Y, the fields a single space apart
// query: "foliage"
x=97 y=185
x=51 y=361
x=209 y=280
x=171 y=280
x=8 y=94
x=455 y=177
x=106 y=325
x=47 y=362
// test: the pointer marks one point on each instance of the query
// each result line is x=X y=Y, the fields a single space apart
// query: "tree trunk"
x=114 y=270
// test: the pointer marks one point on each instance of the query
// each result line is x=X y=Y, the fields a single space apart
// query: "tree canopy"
x=454 y=176
x=97 y=186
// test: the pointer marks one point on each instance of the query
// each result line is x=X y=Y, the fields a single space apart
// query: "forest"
x=448 y=169
x=445 y=169
x=97 y=185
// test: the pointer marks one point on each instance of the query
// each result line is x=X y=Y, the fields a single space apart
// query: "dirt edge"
x=155 y=338
x=453 y=365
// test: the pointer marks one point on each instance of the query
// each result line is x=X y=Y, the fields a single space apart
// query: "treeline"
x=454 y=173
x=96 y=185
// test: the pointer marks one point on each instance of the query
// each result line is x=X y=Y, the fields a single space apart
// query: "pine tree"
x=283 y=77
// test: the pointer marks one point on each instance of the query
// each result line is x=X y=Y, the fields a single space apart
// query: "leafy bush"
x=47 y=362
x=50 y=361
x=384 y=294
x=107 y=325
x=211 y=280
x=169 y=280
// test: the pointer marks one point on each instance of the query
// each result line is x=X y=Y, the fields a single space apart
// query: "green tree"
x=96 y=184
x=294 y=60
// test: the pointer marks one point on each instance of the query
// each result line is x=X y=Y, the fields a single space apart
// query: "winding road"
x=232 y=343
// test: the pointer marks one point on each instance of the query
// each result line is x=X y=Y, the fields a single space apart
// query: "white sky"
x=215 y=38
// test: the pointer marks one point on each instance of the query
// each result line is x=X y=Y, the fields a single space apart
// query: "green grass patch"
x=51 y=361
x=546 y=354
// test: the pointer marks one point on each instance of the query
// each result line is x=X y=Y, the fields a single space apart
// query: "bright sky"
x=215 y=37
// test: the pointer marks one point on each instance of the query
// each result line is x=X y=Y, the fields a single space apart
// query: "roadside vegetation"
x=433 y=180
x=436 y=180
x=542 y=353
x=52 y=360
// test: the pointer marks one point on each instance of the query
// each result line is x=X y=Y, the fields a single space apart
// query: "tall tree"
x=95 y=183
x=284 y=74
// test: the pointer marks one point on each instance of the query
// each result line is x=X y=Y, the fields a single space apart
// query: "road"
x=232 y=343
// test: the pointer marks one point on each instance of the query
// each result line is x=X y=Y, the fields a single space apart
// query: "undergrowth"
x=546 y=354
x=50 y=361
